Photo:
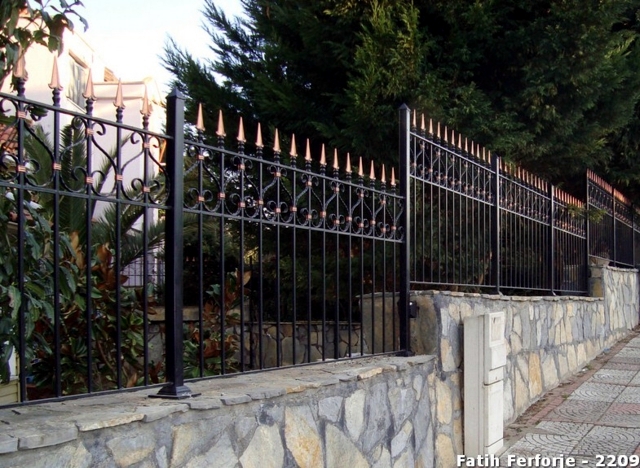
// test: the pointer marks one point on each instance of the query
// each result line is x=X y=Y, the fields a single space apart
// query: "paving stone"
x=579 y=411
x=629 y=395
x=591 y=391
x=622 y=365
x=605 y=440
x=622 y=415
x=613 y=376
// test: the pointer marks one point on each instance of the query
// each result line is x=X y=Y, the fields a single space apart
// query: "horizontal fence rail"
x=132 y=258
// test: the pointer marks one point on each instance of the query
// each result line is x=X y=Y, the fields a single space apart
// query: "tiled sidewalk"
x=592 y=418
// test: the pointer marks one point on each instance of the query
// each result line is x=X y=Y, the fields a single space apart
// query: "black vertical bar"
x=175 y=387
x=587 y=222
x=56 y=244
x=90 y=204
x=614 y=248
x=118 y=249
x=145 y=248
x=21 y=222
x=405 y=219
x=495 y=222
x=552 y=239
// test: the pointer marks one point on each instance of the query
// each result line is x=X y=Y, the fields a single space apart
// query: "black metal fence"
x=478 y=223
x=132 y=258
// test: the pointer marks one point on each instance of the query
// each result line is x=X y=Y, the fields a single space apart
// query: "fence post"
x=405 y=174
x=614 y=244
x=495 y=223
x=587 y=233
x=175 y=387
x=552 y=239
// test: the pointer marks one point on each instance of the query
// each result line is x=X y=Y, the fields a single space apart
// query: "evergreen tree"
x=549 y=84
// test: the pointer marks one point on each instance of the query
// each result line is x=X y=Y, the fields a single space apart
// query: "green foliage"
x=24 y=23
x=552 y=85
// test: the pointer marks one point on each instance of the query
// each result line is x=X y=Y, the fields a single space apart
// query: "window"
x=77 y=82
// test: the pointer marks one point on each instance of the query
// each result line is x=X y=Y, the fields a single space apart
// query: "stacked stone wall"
x=374 y=412
x=548 y=338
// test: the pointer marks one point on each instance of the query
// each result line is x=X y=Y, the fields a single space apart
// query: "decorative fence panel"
x=132 y=258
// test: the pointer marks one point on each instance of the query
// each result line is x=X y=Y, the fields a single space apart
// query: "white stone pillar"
x=485 y=355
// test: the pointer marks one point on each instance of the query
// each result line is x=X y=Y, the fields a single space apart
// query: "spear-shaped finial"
x=55 y=75
x=413 y=120
x=200 y=119
x=423 y=127
x=259 y=143
x=336 y=166
x=453 y=137
x=431 y=126
x=241 y=137
x=293 y=152
x=220 y=131
x=348 y=168
x=307 y=154
x=393 y=177
x=119 y=101
x=459 y=141
x=383 y=176
x=146 y=105
x=446 y=137
x=276 y=142
x=372 y=173
x=466 y=145
x=323 y=157
x=88 y=90
x=438 y=135
x=360 y=171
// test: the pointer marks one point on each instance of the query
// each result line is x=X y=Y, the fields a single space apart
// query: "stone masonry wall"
x=548 y=338
x=373 y=412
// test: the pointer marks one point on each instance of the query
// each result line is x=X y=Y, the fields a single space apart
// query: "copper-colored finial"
x=88 y=90
x=293 y=152
x=259 y=143
x=348 y=168
x=276 y=142
x=383 y=176
x=413 y=120
x=459 y=140
x=307 y=154
x=393 y=177
x=438 y=135
x=323 y=157
x=453 y=137
x=200 y=119
x=20 y=68
x=484 y=153
x=431 y=126
x=119 y=102
x=446 y=137
x=372 y=173
x=55 y=76
x=360 y=171
x=220 y=131
x=466 y=145
x=423 y=127
x=335 y=159
x=146 y=106
x=241 y=137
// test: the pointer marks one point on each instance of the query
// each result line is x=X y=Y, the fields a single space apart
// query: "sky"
x=130 y=35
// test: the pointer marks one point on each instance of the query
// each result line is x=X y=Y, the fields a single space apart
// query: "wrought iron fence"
x=133 y=258
x=479 y=223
